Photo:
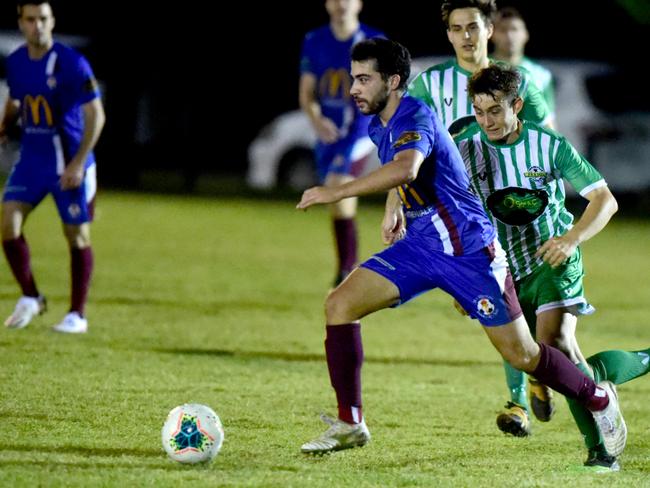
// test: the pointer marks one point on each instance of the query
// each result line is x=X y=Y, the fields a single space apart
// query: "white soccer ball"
x=192 y=434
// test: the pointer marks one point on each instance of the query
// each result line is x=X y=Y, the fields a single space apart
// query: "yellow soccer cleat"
x=514 y=420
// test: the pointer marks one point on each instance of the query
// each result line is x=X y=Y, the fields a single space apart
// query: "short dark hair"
x=391 y=58
x=22 y=3
x=508 y=13
x=495 y=78
x=487 y=8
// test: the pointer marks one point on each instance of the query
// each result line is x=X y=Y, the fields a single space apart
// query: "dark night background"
x=190 y=77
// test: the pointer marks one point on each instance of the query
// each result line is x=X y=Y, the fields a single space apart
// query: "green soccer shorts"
x=547 y=288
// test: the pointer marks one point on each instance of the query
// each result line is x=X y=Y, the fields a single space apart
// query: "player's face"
x=343 y=10
x=510 y=36
x=36 y=24
x=369 y=90
x=497 y=117
x=468 y=33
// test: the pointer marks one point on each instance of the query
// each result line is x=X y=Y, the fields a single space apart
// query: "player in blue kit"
x=342 y=131
x=440 y=238
x=54 y=94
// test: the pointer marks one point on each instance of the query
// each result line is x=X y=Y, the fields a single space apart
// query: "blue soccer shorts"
x=75 y=207
x=480 y=282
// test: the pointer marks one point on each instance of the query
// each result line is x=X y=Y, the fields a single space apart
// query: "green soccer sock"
x=516 y=381
x=619 y=366
x=585 y=420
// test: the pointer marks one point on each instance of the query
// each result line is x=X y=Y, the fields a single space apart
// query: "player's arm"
x=324 y=127
x=602 y=205
x=393 y=226
x=9 y=118
x=402 y=169
x=94 y=118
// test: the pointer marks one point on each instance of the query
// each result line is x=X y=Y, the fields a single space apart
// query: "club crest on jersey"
x=536 y=175
x=406 y=137
x=74 y=210
x=485 y=306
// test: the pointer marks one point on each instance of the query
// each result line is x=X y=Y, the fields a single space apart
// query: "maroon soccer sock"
x=17 y=253
x=556 y=371
x=345 y=231
x=344 y=352
x=81 y=266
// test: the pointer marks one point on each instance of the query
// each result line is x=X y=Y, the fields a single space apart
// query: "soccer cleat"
x=340 y=435
x=600 y=462
x=514 y=420
x=541 y=400
x=26 y=309
x=610 y=422
x=72 y=323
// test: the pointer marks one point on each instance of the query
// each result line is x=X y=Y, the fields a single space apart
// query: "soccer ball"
x=192 y=434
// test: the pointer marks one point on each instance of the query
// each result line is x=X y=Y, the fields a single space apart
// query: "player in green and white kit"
x=509 y=38
x=444 y=86
x=517 y=170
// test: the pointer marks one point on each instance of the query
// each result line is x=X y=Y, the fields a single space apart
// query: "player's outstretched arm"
x=403 y=169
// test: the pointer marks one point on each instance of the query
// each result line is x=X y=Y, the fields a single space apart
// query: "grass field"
x=219 y=301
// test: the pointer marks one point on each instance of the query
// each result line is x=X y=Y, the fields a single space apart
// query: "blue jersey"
x=440 y=193
x=328 y=59
x=51 y=91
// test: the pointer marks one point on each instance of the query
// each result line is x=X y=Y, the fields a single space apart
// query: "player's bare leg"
x=362 y=293
x=16 y=249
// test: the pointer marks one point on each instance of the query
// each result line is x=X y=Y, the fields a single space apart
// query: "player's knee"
x=337 y=307
x=77 y=237
x=520 y=356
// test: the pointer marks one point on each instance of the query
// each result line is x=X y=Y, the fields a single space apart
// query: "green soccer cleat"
x=514 y=420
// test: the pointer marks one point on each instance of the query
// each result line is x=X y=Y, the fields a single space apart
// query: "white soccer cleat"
x=610 y=422
x=26 y=309
x=72 y=323
x=340 y=435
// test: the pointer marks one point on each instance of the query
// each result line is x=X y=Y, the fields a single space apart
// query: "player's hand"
x=460 y=308
x=318 y=194
x=393 y=227
x=72 y=176
x=557 y=250
x=326 y=130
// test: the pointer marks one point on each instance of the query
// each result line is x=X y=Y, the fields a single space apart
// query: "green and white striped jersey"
x=543 y=78
x=443 y=87
x=525 y=178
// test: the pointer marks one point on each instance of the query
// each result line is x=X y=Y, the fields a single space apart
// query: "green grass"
x=219 y=301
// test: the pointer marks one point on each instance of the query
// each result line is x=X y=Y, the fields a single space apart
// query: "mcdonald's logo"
x=33 y=106
x=335 y=83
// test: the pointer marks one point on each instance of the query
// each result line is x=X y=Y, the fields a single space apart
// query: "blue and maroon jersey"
x=328 y=59
x=438 y=204
x=51 y=91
